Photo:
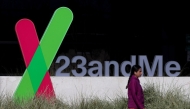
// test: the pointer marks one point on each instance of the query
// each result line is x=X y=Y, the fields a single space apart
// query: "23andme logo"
x=38 y=56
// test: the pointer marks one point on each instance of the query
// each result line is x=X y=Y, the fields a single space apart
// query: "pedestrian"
x=135 y=91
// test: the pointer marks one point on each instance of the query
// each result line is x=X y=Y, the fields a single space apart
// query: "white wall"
x=71 y=87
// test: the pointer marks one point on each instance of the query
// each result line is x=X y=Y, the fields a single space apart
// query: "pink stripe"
x=28 y=39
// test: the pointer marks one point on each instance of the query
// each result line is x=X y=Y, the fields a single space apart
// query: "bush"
x=174 y=98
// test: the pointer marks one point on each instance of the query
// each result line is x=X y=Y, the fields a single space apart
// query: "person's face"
x=138 y=73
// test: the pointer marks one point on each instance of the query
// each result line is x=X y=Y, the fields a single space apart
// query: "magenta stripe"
x=28 y=39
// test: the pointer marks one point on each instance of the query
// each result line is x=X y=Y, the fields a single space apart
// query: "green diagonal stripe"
x=49 y=45
x=37 y=69
x=43 y=57
x=27 y=92
x=55 y=33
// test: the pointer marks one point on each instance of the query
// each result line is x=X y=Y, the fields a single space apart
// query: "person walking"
x=135 y=91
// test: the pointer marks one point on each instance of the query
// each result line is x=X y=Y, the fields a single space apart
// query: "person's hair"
x=134 y=69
